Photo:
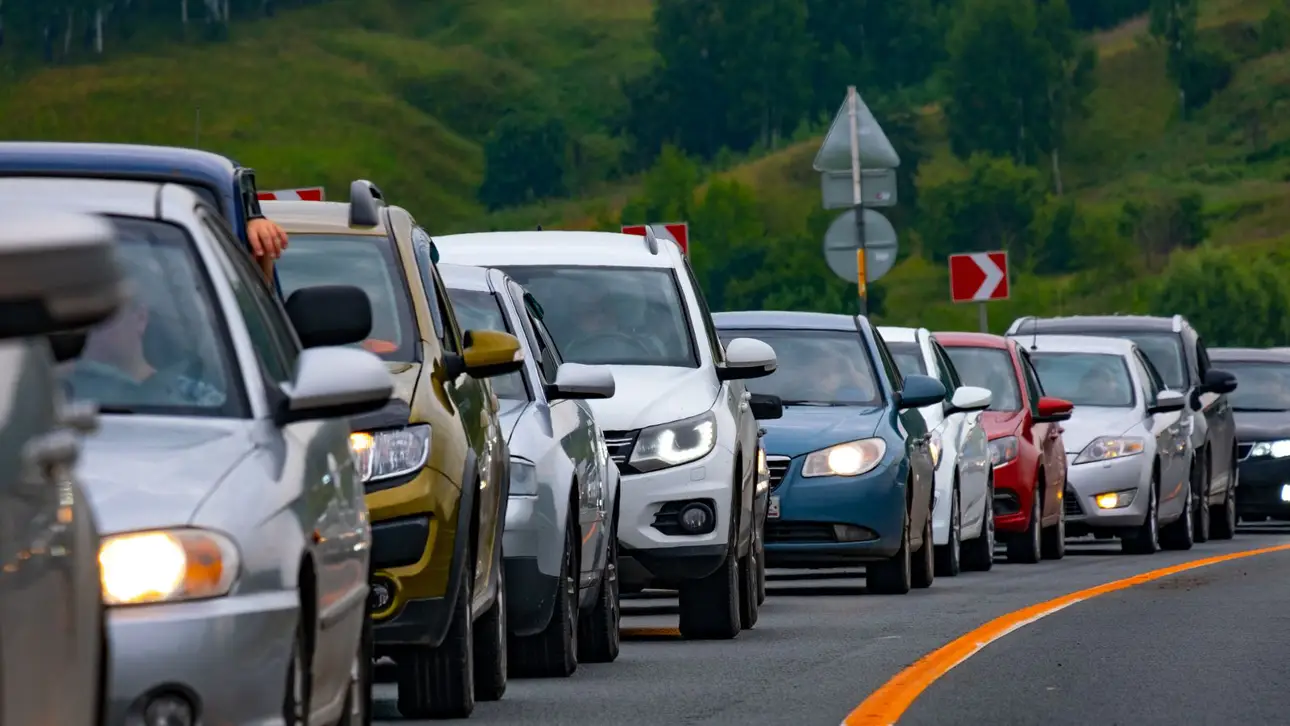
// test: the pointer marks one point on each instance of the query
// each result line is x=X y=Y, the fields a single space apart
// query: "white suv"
x=681 y=426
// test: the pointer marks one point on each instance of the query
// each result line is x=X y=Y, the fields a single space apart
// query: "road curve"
x=823 y=646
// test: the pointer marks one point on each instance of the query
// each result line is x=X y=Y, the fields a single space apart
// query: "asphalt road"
x=1206 y=646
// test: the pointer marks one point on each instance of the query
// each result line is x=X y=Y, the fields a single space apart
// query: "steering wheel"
x=589 y=344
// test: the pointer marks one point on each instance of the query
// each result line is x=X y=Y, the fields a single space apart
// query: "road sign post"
x=979 y=277
x=678 y=232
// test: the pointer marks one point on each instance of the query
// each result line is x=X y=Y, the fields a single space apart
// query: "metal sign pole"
x=984 y=317
x=857 y=197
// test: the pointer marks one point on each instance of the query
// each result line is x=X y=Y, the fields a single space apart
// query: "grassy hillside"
x=399 y=91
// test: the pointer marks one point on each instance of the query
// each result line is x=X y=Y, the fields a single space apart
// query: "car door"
x=1222 y=427
x=914 y=427
x=315 y=462
x=1047 y=437
x=1168 y=429
x=972 y=447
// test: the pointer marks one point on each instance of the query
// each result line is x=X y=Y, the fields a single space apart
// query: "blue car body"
x=836 y=521
x=221 y=182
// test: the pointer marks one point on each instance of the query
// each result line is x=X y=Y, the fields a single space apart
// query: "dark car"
x=850 y=463
x=1179 y=354
x=221 y=182
x=1261 y=405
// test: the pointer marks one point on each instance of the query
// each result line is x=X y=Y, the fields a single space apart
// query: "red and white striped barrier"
x=304 y=194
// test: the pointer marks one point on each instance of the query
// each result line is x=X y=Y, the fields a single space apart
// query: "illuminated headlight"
x=390 y=453
x=1115 y=500
x=673 y=444
x=1270 y=450
x=763 y=471
x=850 y=459
x=166 y=566
x=934 y=444
x=523 y=478
x=1003 y=450
x=1105 y=448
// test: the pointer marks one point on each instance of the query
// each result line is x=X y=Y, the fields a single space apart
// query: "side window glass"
x=888 y=364
x=425 y=265
x=1202 y=357
x=1032 y=383
x=450 y=339
x=548 y=361
x=947 y=365
x=714 y=342
x=946 y=378
x=1146 y=384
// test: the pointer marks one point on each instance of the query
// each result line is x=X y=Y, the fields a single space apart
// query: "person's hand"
x=267 y=239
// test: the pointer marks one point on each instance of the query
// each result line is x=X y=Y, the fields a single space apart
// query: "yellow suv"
x=434 y=461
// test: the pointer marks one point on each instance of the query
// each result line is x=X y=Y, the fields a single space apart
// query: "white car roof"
x=1074 y=344
x=897 y=334
x=555 y=247
x=94 y=196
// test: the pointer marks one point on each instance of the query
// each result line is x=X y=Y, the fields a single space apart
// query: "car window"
x=815 y=368
x=369 y=262
x=1260 y=385
x=1034 y=388
x=989 y=368
x=715 y=346
x=947 y=367
x=613 y=315
x=1086 y=379
x=1202 y=357
x=1146 y=385
x=893 y=371
x=1165 y=352
x=167 y=350
x=547 y=359
x=908 y=357
x=481 y=310
x=425 y=265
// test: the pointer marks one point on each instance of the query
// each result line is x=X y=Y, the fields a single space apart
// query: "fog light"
x=169 y=710
x=381 y=595
x=696 y=518
x=1115 y=500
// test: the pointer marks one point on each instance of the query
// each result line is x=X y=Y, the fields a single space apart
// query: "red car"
x=1023 y=426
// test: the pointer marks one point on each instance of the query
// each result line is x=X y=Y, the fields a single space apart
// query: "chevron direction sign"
x=979 y=276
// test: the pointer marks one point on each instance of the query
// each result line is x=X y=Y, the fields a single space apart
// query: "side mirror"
x=58 y=272
x=920 y=391
x=577 y=381
x=969 y=398
x=1167 y=401
x=766 y=407
x=330 y=315
x=1054 y=410
x=1217 y=381
x=490 y=353
x=333 y=382
x=747 y=358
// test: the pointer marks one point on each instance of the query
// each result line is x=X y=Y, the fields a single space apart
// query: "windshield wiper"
x=822 y=404
x=117 y=410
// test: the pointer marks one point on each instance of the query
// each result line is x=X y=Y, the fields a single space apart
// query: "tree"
x=992 y=208
x=765 y=54
x=525 y=158
x=1225 y=295
x=1069 y=70
x=1173 y=24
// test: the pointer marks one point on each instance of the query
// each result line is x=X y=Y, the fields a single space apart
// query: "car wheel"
x=601 y=638
x=1200 y=505
x=978 y=554
x=924 y=564
x=1146 y=539
x=1180 y=533
x=490 y=646
x=895 y=576
x=1026 y=547
x=749 y=608
x=949 y=555
x=710 y=606
x=358 y=702
x=439 y=682
x=296 y=701
x=761 y=563
x=1225 y=523
x=553 y=653
x=1053 y=546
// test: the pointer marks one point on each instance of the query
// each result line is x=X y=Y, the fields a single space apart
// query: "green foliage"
x=1231 y=299
x=1159 y=226
x=1206 y=72
x=993 y=207
x=525 y=158
x=1274 y=31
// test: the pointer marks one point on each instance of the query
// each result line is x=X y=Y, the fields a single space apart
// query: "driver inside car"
x=1103 y=386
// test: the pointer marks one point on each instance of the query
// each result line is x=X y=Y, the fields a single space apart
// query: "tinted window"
x=368 y=262
x=1164 y=350
x=1085 y=379
x=167 y=350
x=908 y=357
x=479 y=310
x=1259 y=386
x=947 y=368
x=989 y=368
x=613 y=315
x=815 y=368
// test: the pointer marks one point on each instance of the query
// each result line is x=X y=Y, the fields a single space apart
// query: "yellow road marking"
x=885 y=706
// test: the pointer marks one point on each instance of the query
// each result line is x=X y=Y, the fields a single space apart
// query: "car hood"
x=1262 y=425
x=1001 y=423
x=509 y=412
x=804 y=429
x=1089 y=422
x=405 y=379
x=142 y=472
x=651 y=395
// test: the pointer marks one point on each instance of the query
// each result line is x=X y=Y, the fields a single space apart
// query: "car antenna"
x=539 y=228
x=1034 y=333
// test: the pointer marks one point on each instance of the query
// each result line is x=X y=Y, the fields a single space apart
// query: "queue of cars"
x=457 y=453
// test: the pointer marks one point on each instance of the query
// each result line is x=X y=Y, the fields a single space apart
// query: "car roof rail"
x=651 y=241
x=365 y=202
x=1178 y=323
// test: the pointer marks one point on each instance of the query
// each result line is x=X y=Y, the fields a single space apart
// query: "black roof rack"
x=365 y=202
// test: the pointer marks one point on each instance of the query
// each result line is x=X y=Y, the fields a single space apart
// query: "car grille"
x=777 y=532
x=620 y=444
x=1071 y=502
x=778 y=466
x=1243 y=451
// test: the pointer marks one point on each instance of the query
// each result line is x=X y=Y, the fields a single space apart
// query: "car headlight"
x=676 y=443
x=166 y=566
x=934 y=445
x=1003 y=450
x=1105 y=448
x=850 y=459
x=390 y=453
x=763 y=471
x=1270 y=450
x=523 y=478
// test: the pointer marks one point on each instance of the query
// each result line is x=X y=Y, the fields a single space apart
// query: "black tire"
x=438 y=683
x=490 y=645
x=296 y=701
x=1224 y=526
x=1052 y=545
x=949 y=556
x=600 y=636
x=978 y=554
x=1146 y=539
x=1179 y=534
x=553 y=653
x=923 y=566
x=1027 y=547
x=894 y=576
x=761 y=563
x=749 y=608
x=710 y=606
x=358 y=703
x=1200 y=511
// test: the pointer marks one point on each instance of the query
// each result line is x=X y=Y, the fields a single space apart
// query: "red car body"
x=1036 y=465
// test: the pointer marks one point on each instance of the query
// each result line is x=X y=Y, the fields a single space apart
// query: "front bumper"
x=837 y=521
x=1013 y=498
x=228 y=657
x=1260 y=490
x=1085 y=481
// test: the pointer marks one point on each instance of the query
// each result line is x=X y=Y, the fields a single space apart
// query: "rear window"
x=909 y=358
x=989 y=368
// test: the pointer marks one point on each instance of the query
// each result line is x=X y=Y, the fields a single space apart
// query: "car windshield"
x=1085 y=379
x=166 y=351
x=612 y=315
x=815 y=368
x=365 y=261
x=1260 y=385
x=909 y=358
x=479 y=310
x=989 y=368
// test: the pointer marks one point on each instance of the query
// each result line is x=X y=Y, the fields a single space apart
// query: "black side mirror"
x=330 y=315
x=1218 y=381
x=67 y=346
x=766 y=407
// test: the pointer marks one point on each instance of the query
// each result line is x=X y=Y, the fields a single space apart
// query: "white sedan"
x=963 y=513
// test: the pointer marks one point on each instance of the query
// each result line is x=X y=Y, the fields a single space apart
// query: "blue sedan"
x=852 y=466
